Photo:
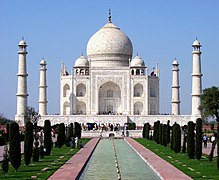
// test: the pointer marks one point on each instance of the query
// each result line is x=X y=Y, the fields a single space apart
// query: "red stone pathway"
x=72 y=168
x=162 y=167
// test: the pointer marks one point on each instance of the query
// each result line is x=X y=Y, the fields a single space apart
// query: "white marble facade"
x=109 y=81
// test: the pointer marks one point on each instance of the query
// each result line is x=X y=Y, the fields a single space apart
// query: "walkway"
x=162 y=167
x=73 y=167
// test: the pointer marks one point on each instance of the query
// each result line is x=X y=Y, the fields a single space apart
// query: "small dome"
x=81 y=62
x=22 y=43
x=175 y=62
x=43 y=62
x=137 y=62
x=196 y=43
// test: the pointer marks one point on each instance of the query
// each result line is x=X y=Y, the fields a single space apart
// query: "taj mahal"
x=109 y=84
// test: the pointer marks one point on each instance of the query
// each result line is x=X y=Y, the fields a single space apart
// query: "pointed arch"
x=138 y=90
x=138 y=108
x=66 y=90
x=66 y=108
x=80 y=90
x=80 y=108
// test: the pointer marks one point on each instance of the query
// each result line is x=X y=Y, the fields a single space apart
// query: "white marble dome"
x=196 y=43
x=137 y=62
x=22 y=43
x=81 y=62
x=109 y=47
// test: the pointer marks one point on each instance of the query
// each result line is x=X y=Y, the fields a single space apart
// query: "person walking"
x=205 y=140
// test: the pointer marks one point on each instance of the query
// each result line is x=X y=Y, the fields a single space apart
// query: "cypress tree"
x=172 y=140
x=164 y=135
x=185 y=132
x=77 y=130
x=28 y=143
x=144 y=131
x=155 y=131
x=168 y=132
x=147 y=130
x=177 y=139
x=70 y=132
x=61 y=135
x=160 y=133
x=14 y=146
x=36 y=153
x=190 y=140
x=198 y=146
x=47 y=137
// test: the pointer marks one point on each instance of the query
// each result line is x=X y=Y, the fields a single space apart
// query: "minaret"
x=196 y=78
x=175 y=88
x=42 y=89
x=22 y=83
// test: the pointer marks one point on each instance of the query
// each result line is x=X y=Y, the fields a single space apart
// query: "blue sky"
x=59 y=31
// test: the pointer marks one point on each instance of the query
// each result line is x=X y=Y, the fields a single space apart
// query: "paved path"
x=208 y=149
x=162 y=167
x=73 y=167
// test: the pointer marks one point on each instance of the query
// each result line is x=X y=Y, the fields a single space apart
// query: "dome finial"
x=109 y=17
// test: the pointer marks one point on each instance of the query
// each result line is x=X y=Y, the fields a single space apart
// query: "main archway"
x=109 y=98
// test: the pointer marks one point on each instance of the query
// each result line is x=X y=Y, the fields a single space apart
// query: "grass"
x=53 y=162
x=201 y=169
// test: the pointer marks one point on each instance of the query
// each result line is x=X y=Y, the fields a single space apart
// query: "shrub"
x=212 y=127
x=190 y=140
x=36 y=154
x=156 y=131
x=47 y=137
x=131 y=126
x=198 y=146
x=28 y=143
x=61 y=135
x=14 y=146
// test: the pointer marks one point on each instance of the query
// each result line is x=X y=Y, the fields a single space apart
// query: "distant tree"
x=173 y=134
x=191 y=140
x=77 y=130
x=14 y=146
x=210 y=108
x=5 y=162
x=61 y=135
x=198 y=141
x=28 y=143
x=168 y=132
x=157 y=132
x=147 y=130
x=144 y=131
x=177 y=139
x=4 y=120
x=164 y=134
x=185 y=132
x=36 y=153
x=47 y=137
x=161 y=133
x=212 y=126
x=70 y=132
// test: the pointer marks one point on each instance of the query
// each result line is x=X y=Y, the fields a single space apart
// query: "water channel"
x=115 y=159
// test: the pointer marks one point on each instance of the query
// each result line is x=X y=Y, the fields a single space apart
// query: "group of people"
x=212 y=139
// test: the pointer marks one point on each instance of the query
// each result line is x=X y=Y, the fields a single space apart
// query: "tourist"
x=213 y=138
x=205 y=140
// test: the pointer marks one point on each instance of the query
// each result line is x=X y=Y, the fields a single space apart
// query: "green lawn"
x=57 y=158
x=201 y=169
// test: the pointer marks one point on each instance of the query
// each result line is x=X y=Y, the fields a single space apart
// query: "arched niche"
x=66 y=90
x=80 y=108
x=109 y=99
x=66 y=108
x=80 y=90
x=138 y=90
x=138 y=108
